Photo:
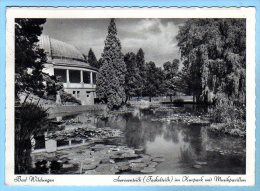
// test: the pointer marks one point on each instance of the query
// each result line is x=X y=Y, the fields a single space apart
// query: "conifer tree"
x=111 y=76
x=92 y=60
x=140 y=62
x=132 y=77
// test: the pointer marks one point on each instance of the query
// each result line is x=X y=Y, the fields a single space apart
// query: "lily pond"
x=153 y=140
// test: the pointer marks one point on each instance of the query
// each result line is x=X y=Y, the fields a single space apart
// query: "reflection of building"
x=66 y=61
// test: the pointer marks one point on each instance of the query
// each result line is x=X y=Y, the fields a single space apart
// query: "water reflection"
x=187 y=149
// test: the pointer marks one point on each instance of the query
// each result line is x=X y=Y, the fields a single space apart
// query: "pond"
x=186 y=148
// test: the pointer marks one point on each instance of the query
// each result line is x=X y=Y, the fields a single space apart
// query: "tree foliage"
x=153 y=80
x=132 y=77
x=29 y=58
x=140 y=63
x=170 y=77
x=214 y=52
x=30 y=120
x=111 y=76
x=92 y=60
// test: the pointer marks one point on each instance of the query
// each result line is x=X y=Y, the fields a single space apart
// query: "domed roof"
x=58 y=49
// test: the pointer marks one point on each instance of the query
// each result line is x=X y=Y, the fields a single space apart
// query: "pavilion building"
x=67 y=62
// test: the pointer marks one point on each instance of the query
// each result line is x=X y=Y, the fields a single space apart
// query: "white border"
x=62 y=12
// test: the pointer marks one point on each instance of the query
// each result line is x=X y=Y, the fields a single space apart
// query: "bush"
x=30 y=120
x=66 y=97
x=230 y=115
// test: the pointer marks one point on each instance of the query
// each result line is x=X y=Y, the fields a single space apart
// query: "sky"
x=157 y=37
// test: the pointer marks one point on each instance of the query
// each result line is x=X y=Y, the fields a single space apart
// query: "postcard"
x=130 y=96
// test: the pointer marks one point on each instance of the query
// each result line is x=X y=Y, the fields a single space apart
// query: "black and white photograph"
x=130 y=96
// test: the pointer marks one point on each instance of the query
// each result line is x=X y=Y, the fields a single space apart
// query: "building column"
x=68 y=77
x=91 y=78
x=81 y=78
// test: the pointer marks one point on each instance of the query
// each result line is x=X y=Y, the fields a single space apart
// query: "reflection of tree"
x=134 y=134
x=138 y=132
x=171 y=133
x=192 y=135
x=152 y=129
x=186 y=154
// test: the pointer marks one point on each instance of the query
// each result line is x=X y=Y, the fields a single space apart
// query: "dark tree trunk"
x=150 y=99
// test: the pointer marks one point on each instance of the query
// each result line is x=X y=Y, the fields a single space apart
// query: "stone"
x=158 y=159
x=129 y=155
x=137 y=167
x=197 y=166
x=89 y=160
x=148 y=170
x=105 y=160
x=123 y=166
x=201 y=162
x=153 y=164
x=98 y=147
x=139 y=151
x=89 y=167
x=67 y=165
x=90 y=172
x=136 y=160
x=107 y=169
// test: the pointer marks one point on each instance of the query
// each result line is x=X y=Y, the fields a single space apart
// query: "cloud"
x=157 y=37
x=158 y=40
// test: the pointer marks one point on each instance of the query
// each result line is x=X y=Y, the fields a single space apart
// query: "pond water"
x=186 y=148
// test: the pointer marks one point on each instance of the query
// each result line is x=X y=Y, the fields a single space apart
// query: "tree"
x=140 y=62
x=29 y=58
x=29 y=78
x=184 y=82
x=153 y=80
x=215 y=53
x=132 y=77
x=111 y=76
x=170 y=77
x=92 y=60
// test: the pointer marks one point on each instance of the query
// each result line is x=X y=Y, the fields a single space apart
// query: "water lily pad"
x=148 y=170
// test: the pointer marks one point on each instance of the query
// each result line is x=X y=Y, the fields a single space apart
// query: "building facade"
x=67 y=62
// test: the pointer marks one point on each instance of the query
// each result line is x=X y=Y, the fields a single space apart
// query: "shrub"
x=30 y=120
x=66 y=97
x=231 y=114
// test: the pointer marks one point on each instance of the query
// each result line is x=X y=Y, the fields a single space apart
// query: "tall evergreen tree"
x=132 y=75
x=111 y=76
x=140 y=62
x=92 y=60
x=29 y=58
